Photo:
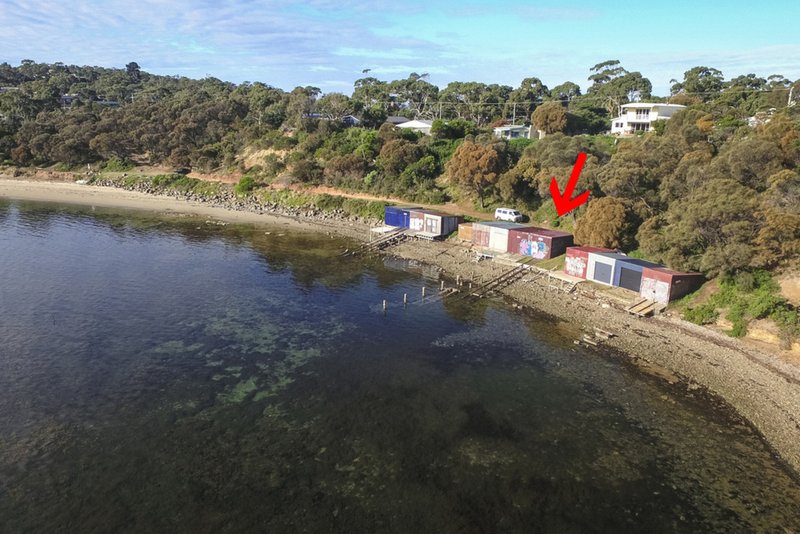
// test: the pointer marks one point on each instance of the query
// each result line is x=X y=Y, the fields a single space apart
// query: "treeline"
x=714 y=189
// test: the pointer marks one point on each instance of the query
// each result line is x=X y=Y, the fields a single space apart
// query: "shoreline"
x=760 y=387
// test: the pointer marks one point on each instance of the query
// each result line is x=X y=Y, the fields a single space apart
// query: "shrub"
x=245 y=185
x=703 y=314
x=117 y=165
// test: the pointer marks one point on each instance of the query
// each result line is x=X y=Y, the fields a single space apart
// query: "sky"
x=330 y=43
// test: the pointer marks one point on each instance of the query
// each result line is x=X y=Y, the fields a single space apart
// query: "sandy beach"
x=759 y=384
x=109 y=197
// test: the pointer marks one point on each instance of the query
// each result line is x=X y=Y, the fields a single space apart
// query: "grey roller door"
x=602 y=272
x=630 y=279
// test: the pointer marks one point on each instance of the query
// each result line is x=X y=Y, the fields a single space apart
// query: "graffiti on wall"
x=537 y=249
x=575 y=265
x=655 y=290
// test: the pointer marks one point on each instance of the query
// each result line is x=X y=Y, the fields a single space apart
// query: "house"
x=639 y=117
x=761 y=118
x=417 y=126
x=350 y=120
x=513 y=132
x=518 y=132
x=68 y=100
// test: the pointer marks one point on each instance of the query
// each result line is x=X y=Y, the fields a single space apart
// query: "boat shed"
x=399 y=216
x=493 y=235
x=577 y=260
x=433 y=223
x=663 y=285
x=628 y=272
x=539 y=243
x=601 y=265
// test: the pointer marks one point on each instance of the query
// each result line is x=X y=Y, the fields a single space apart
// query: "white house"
x=518 y=132
x=640 y=116
x=417 y=126
x=512 y=132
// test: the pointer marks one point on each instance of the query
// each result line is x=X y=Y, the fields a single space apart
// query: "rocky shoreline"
x=226 y=199
x=760 y=387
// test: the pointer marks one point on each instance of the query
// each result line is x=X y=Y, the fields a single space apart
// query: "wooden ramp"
x=498 y=282
x=386 y=240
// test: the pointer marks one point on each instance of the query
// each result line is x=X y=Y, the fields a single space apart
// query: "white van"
x=507 y=214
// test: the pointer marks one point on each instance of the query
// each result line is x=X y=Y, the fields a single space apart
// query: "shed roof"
x=640 y=262
x=671 y=272
x=611 y=255
x=502 y=224
x=590 y=249
x=547 y=232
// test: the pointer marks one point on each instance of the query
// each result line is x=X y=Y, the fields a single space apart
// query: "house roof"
x=511 y=127
x=395 y=119
x=650 y=105
x=415 y=124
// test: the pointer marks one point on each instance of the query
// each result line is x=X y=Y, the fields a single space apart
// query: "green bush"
x=245 y=185
x=329 y=202
x=703 y=314
x=747 y=296
x=117 y=165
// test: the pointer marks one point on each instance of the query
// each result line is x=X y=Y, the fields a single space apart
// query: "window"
x=642 y=114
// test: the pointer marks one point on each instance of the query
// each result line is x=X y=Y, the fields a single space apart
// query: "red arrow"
x=565 y=203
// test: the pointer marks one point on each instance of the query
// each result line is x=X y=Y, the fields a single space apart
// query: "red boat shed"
x=577 y=260
x=663 y=285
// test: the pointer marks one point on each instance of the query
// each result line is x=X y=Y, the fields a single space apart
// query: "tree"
x=416 y=95
x=703 y=82
x=565 y=92
x=550 y=117
x=711 y=230
x=524 y=99
x=617 y=85
x=608 y=222
x=779 y=238
x=133 y=71
x=335 y=106
x=300 y=105
x=476 y=167
x=605 y=72
x=452 y=129
x=477 y=102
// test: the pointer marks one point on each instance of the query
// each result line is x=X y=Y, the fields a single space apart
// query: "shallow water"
x=175 y=375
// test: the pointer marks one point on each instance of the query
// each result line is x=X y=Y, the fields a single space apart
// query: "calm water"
x=172 y=375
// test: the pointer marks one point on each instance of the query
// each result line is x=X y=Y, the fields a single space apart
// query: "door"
x=602 y=273
x=630 y=279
